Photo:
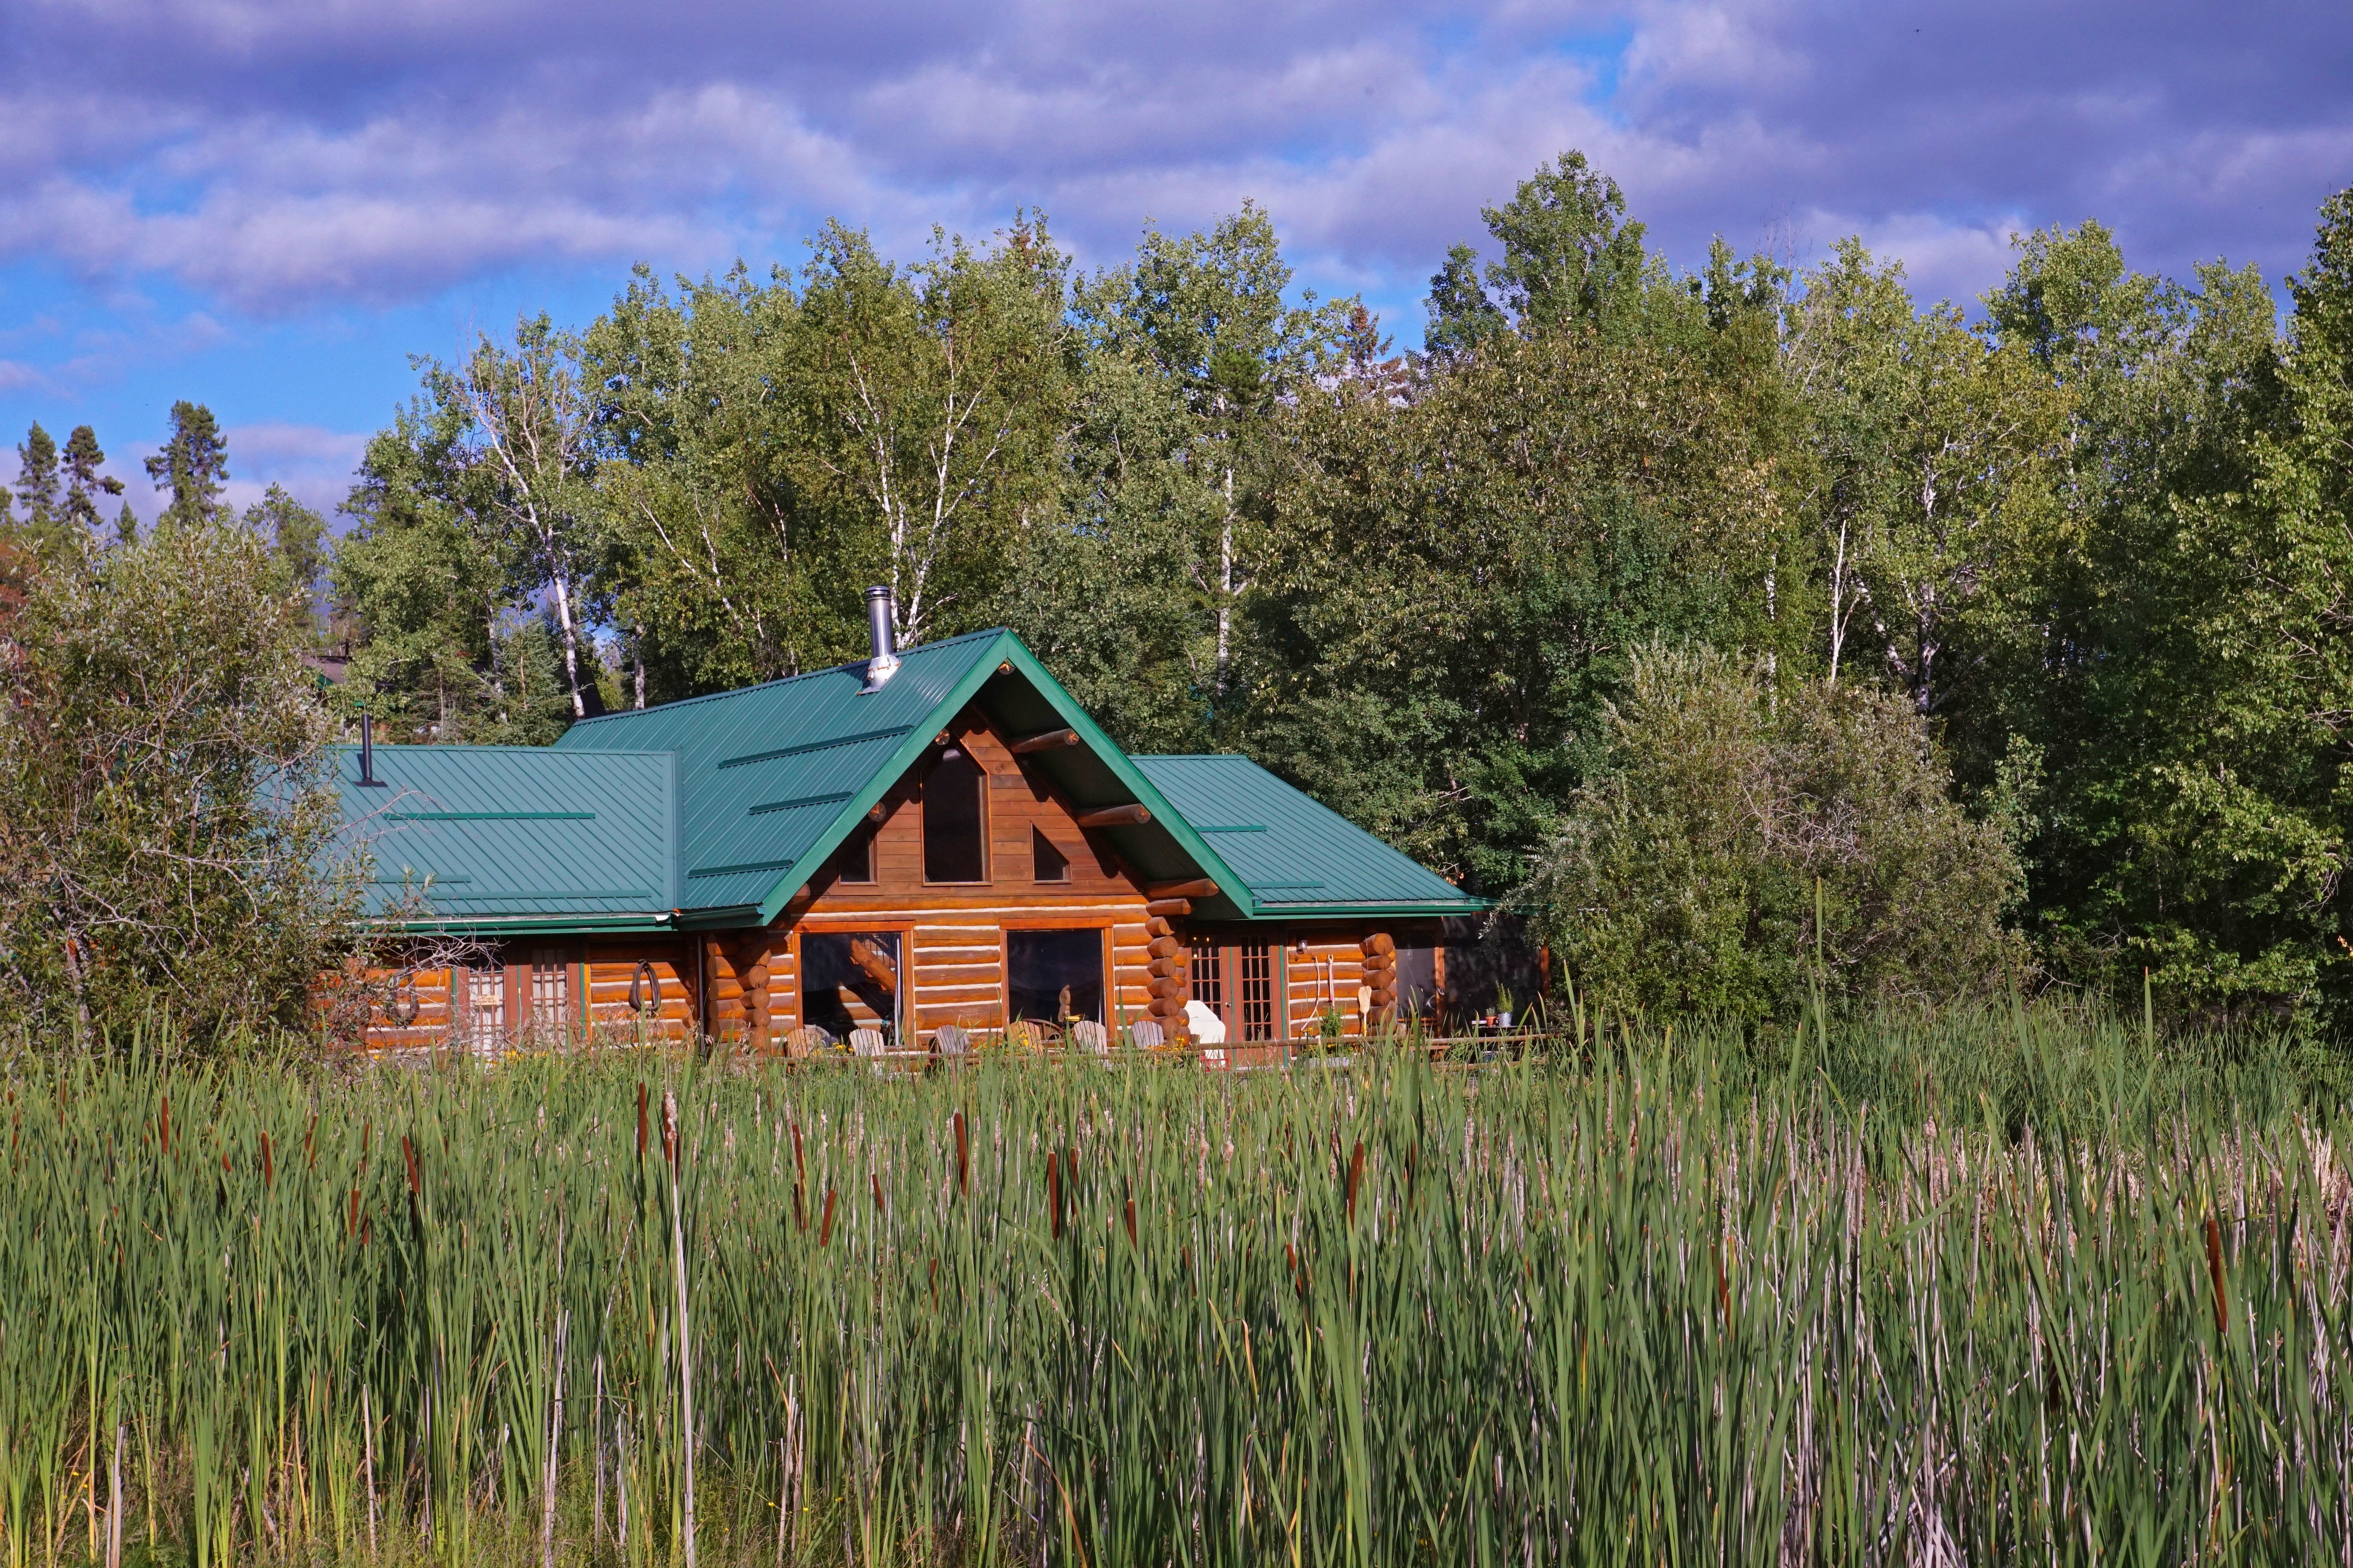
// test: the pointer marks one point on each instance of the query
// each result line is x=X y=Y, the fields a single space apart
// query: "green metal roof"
x=772 y=777
x=1295 y=854
x=713 y=811
x=515 y=836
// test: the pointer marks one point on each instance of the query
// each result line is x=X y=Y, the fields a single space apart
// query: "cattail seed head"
x=1054 y=1193
x=2214 y=1268
x=669 y=1128
x=825 y=1226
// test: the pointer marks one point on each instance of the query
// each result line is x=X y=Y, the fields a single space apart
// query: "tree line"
x=1752 y=629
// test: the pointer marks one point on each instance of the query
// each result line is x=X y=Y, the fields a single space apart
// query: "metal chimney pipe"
x=883 y=625
x=367 y=752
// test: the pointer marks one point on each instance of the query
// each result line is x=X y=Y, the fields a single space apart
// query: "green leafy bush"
x=165 y=821
x=1747 y=842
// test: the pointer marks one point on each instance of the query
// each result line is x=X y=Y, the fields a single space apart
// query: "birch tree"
x=521 y=466
x=1209 y=314
x=1932 y=455
x=928 y=404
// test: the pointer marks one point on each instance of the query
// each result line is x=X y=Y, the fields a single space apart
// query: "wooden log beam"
x=1200 y=887
x=1168 y=908
x=1044 y=740
x=875 y=964
x=1116 y=816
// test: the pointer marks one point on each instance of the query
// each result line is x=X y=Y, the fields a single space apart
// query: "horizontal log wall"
x=1324 y=971
x=612 y=967
x=602 y=970
x=953 y=935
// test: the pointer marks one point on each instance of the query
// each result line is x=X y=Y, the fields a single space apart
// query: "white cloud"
x=283 y=157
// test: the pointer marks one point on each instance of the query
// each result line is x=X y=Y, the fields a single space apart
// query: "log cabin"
x=928 y=849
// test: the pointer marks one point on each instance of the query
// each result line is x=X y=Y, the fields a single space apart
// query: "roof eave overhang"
x=1007 y=652
x=1268 y=912
x=532 y=925
x=724 y=918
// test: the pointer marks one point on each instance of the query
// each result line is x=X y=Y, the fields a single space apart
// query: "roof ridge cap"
x=510 y=747
x=780 y=680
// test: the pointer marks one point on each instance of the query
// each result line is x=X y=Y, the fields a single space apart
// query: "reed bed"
x=1640 y=1303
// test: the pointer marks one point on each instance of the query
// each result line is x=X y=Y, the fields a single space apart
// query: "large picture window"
x=849 y=981
x=1054 y=976
x=954 y=828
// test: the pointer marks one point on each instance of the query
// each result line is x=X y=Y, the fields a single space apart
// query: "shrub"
x=165 y=820
x=1687 y=878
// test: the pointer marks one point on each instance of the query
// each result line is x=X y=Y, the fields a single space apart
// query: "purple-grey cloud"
x=279 y=158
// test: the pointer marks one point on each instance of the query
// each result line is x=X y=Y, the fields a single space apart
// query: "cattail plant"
x=1991 y=1292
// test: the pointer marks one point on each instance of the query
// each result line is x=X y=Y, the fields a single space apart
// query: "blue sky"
x=269 y=206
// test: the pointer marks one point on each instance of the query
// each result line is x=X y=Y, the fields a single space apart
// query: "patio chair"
x=1147 y=1034
x=806 y=1041
x=866 y=1042
x=1090 y=1035
x=951 y=1041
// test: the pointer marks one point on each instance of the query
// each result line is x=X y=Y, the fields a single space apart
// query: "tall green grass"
x=2017 y=1287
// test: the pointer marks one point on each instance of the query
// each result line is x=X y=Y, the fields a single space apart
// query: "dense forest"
x=1748 y=629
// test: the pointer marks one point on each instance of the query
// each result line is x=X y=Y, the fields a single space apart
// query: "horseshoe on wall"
x=394 y=1007
x=645 y=989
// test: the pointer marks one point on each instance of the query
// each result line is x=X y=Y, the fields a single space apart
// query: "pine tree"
x=37 y=479
x=83 y=481
x=192 y=464
x=40 y=529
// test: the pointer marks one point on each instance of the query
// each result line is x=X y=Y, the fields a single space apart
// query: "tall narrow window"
x=954 y=826
x=481 y=1014
x=551 y=989
x=1208 y=971
x=1260 y=971
x=1048 y=864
